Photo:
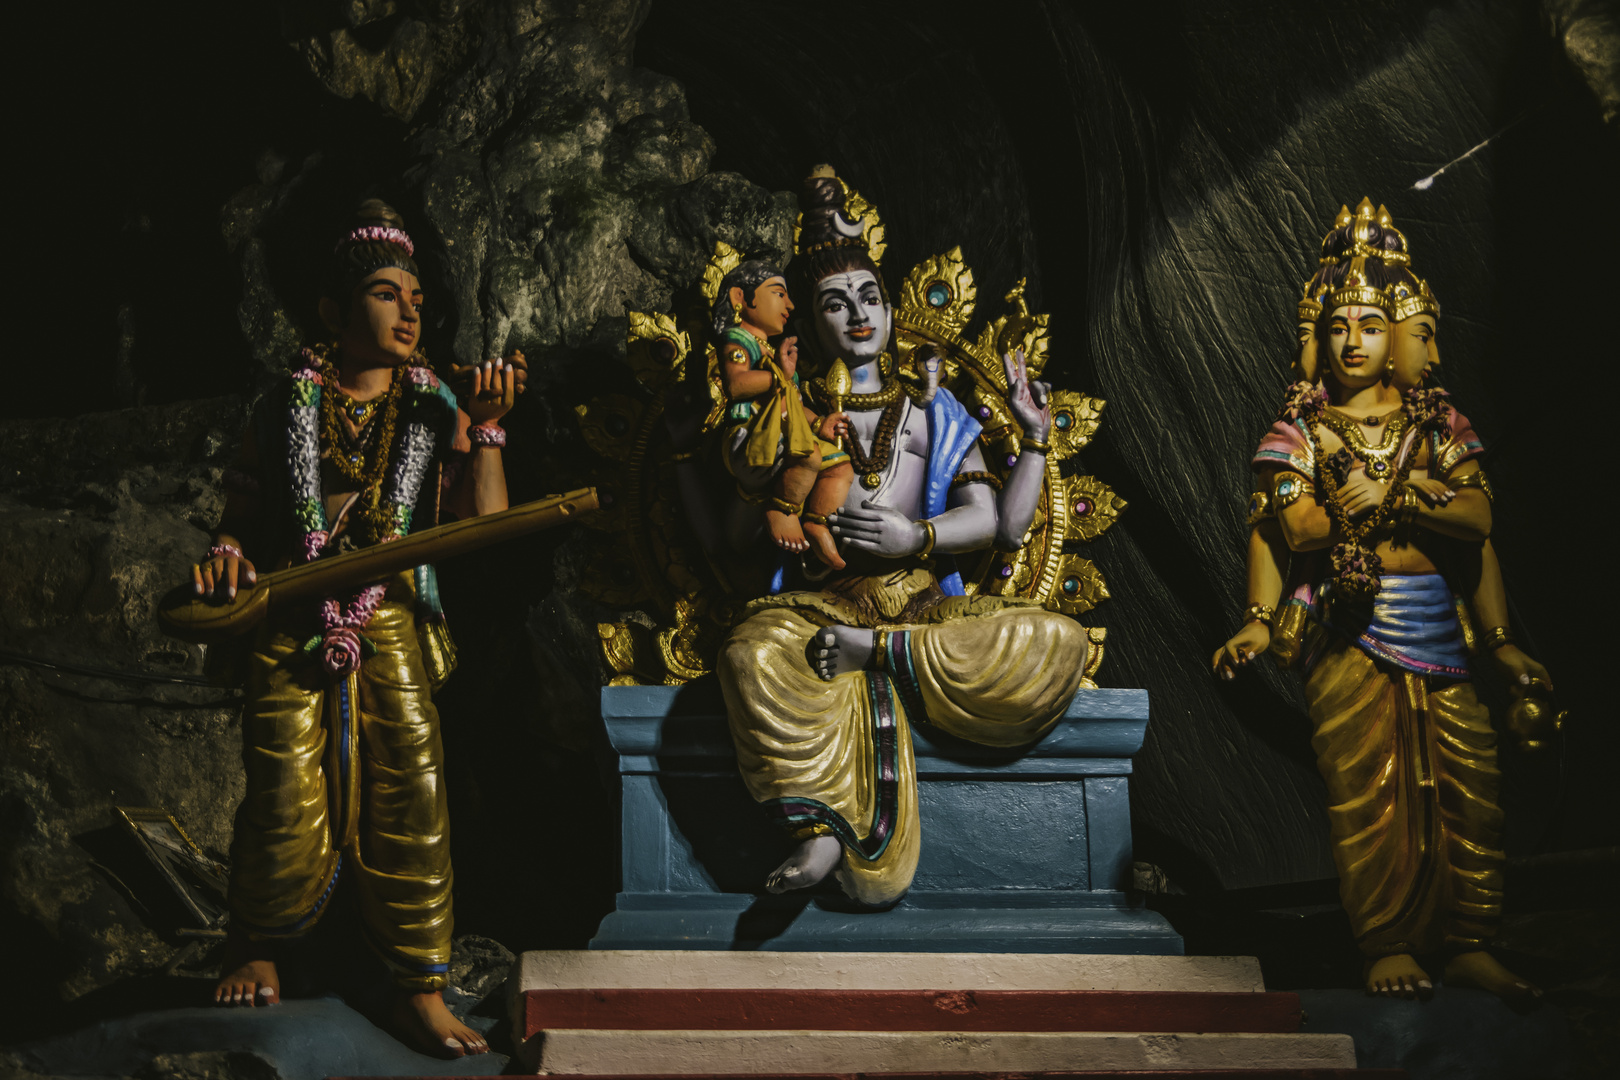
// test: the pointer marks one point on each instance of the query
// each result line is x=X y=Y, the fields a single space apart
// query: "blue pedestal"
x=1022 y=851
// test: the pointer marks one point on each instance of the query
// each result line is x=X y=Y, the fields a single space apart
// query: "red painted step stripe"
x=909 y=1010
x=1134 y=1074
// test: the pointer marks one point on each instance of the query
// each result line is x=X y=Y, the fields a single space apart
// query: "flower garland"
x=1304 y=400
x=1357 y=568
x=340 y=643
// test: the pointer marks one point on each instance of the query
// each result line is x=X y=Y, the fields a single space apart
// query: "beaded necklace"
x=399 y=466
x=870 y=467
x=1358 y=568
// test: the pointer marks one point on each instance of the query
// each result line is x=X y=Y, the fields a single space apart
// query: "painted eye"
x=938 y=294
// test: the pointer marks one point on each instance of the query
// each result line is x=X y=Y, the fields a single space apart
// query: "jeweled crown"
x=1366 y=225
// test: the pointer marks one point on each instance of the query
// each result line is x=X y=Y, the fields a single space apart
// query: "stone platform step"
x=663 y=969
x=909 y=1010
x=603 y=1052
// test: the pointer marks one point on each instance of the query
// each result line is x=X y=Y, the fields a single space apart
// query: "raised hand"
x=461 y=375
x=881 y=530
x=788 y=355
x=492 y=393
x=1030 y=402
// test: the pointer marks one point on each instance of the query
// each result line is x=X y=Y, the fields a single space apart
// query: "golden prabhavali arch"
x=651 y=559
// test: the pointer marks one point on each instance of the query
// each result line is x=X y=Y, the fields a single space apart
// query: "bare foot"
x=1482 y=971
x=1398 y=976
x=786 y=531
x=813 y=861
x=250 y=977
x=424 y=1021
x=822 y=543
x=837 y=649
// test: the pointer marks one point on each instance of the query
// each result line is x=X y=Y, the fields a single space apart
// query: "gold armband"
x=1034 y=445
x=1410 y=505
x=683 y=455
x=1260 y=508
x=1260 y=613
x=1474 y=479
x=1496 y=638
x=976 y=477
x=1289 y=486
x=928 y=545
x=735 y=354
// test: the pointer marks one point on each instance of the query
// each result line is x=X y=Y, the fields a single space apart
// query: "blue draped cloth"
x=1413 y=624
x=951 y=434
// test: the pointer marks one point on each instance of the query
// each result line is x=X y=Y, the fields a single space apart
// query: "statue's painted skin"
x=379 y=333
x=852 y=322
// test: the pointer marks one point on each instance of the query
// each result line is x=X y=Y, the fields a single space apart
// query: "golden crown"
x=1401 y=300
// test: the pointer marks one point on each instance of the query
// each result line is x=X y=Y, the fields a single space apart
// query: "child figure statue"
x=773 y=440
x=344 y=763
x=1381 y=478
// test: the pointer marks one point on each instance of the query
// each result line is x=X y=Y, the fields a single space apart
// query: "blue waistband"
x=1413 y=624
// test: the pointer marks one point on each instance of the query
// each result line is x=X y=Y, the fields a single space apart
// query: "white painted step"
x=601 y=1052
x=650 y=969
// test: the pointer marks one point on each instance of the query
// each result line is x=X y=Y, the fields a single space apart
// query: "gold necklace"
x=881 y=399
x=1379 y=461
x=348 y=456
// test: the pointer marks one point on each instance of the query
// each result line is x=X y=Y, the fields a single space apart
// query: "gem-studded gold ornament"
x=685 y=601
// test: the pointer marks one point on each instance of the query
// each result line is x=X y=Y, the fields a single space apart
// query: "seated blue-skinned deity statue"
x=823 y=683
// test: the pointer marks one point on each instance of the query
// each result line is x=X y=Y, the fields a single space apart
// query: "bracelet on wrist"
x=1035 y=446
x=486 y=435
x=1410 y=506
x=1260 y=613
x=228 y=550
x=1496 y=637
x=928 y=544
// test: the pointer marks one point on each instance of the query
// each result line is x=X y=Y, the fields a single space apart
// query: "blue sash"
x=1413 y=624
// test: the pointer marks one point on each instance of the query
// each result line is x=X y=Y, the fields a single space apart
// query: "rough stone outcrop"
x=1589 y=32
x=103 y=514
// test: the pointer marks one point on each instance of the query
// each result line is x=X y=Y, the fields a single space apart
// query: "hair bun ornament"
x=386 y=234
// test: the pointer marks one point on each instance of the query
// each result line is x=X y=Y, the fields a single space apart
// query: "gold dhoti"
x=346 y=774
x=835 y=757
x=1412 y=788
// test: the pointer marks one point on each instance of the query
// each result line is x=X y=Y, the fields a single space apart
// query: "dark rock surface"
x=102 y=516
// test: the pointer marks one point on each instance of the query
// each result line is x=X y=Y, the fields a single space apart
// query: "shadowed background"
x=1162 y=172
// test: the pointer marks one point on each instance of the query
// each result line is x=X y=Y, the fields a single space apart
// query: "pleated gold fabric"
x=994 y=671
x=1412 y=800
x=369 y=790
